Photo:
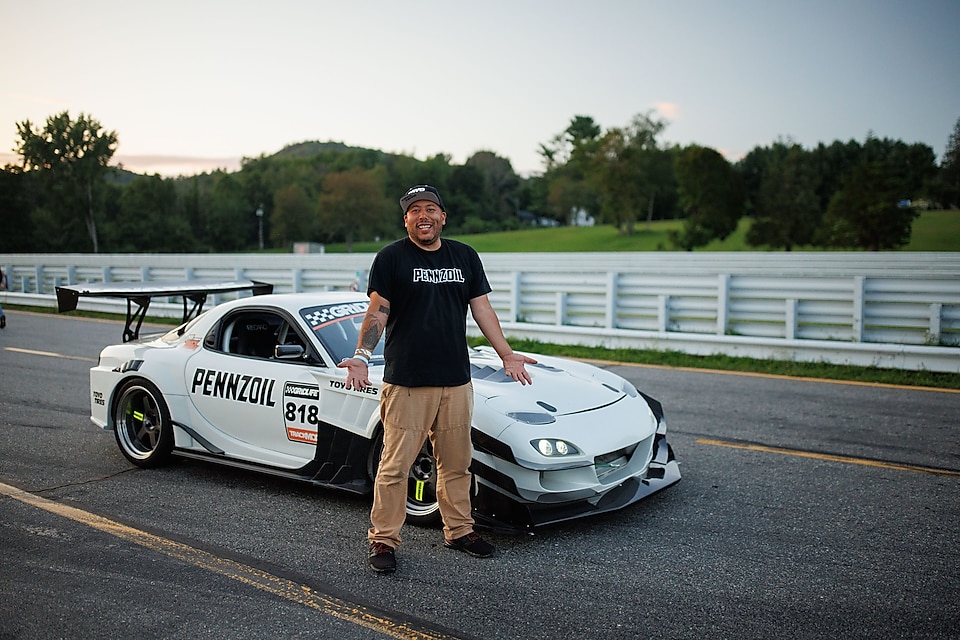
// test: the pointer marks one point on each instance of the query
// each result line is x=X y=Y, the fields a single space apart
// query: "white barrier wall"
x=891 y=309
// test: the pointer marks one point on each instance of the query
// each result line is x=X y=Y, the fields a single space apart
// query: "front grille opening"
x=614 y=461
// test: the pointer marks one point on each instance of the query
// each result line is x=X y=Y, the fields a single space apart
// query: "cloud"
x=167 y=166
x=668 y=110
x=172 y=166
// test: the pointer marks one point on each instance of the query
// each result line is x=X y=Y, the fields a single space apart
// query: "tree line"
x=64 y=196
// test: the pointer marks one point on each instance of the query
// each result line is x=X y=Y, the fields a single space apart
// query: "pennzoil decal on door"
x=233 y=386
x=301 y=411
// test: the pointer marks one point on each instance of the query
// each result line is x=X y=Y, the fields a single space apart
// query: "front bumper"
x=497 y=506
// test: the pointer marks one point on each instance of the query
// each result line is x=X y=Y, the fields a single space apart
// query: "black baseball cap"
x=421 y=192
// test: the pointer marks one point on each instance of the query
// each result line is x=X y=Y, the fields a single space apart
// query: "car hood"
x=560 y=387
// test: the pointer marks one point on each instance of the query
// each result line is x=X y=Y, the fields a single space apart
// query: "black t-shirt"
x=429 y=292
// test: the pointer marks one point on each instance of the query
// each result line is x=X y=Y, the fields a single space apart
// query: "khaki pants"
x=410 y=415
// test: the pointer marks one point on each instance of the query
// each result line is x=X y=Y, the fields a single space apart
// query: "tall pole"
x=260 y=221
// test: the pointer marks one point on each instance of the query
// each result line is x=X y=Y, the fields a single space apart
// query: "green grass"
x=932 y=231
x=936 y=231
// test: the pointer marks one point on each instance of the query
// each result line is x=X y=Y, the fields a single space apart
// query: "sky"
x=194 y=85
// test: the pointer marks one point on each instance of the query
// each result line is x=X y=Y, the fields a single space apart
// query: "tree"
x=146 y=205
x=566 y=195
x=630 y=172
x=787 y=212
x=500 y=185
x=833 y=163
x=293 y=216
x=17 y=232
x=711 y=197
x=568 y=158
x=352 y=203
x=227 y=219
x=465 y=199
x=865 y=213
x=948 y=177
x=579 y=135
x=71 y=157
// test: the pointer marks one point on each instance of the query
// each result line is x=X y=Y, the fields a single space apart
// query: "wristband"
x=362 y=358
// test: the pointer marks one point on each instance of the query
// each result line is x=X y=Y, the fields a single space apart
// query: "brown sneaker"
x=473 y=544
x=382 y=558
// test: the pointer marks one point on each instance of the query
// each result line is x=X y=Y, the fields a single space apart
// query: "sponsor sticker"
x=234 y=386
x=317 y=317
x=301 y=411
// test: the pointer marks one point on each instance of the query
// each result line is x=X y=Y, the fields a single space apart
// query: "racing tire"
x=142 y=424
x=422 y=506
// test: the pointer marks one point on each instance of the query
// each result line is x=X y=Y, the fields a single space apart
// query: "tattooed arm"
x=370 y=331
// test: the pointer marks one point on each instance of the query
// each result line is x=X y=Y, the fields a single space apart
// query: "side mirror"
x=289 y=352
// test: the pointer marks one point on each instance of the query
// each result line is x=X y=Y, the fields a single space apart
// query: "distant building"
x=533 y=220
x=581 y=218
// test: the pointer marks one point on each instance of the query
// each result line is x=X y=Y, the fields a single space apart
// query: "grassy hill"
x=932 y=231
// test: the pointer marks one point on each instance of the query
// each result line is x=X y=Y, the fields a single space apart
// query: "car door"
x=265 y=408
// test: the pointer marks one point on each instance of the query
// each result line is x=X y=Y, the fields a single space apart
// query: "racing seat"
x=255 y=337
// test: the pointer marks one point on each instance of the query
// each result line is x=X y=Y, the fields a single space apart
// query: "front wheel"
x=422 y=506
x=142 y=424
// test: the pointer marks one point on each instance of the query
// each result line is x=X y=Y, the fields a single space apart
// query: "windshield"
x=337 y=326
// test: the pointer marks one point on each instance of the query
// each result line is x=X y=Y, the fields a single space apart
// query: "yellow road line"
x=830 y=457
x=287 y=589
x=49 y=354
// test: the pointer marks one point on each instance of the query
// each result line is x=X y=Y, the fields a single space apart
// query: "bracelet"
x=362 y=358
x=363 y=352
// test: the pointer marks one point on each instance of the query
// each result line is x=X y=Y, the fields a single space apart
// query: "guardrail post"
x=145 y=274
x=936 y=323
x=71 y=275
x=106 y=273
x=790 y=331
x=515 y=296
x=297 y=280
x=39 y=275
x=663 y=312
x=723 y=303
x=613 y=281
x=561 y=311
x=859 y=285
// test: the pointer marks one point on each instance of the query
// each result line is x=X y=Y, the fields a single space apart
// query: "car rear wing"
x=140 y=293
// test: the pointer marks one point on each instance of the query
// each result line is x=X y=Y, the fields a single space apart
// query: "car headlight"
x=552 y=448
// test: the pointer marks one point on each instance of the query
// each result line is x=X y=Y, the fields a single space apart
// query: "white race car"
x=253 y=383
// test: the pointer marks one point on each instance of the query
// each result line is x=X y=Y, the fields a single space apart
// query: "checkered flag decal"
x=319 y=316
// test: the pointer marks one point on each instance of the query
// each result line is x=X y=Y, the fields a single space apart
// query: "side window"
x=257 y=334
x=251 y=334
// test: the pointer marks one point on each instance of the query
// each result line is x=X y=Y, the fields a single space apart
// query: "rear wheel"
x=142 y=424
x=422 y=506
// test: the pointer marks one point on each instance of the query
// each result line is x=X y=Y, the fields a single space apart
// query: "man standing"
x=420 y=288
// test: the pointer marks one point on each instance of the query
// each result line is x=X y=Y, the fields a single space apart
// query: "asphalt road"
x=806 y=510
